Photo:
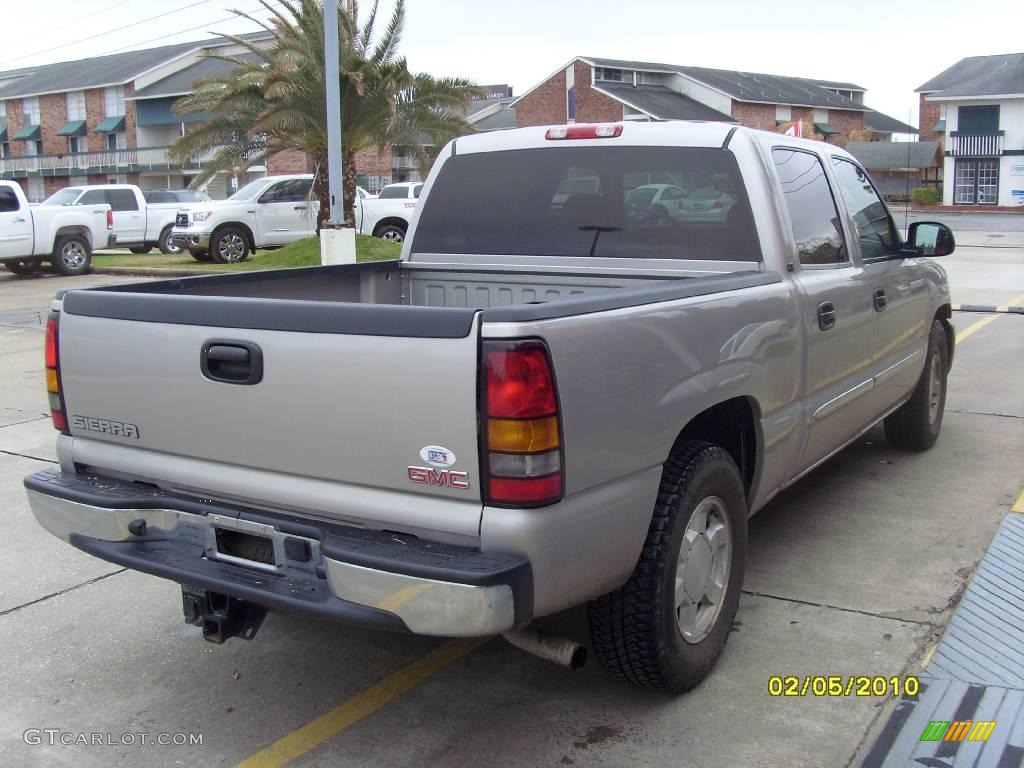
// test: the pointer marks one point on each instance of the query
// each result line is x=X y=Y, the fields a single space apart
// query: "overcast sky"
x=888 y=47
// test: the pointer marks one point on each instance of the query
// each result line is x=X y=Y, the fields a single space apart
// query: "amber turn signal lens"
x=522 y=436
x=51 y=381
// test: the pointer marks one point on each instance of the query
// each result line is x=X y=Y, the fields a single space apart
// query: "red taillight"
x=110 y=218
x=521 y=432
x=53 y=384
x=583 y=131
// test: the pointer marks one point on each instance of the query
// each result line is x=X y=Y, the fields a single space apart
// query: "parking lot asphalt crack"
x=61 y=592
x=902 y=618
x=27 y=456
x=986 y=413
x=26 y=421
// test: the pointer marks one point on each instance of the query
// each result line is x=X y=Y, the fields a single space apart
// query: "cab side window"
x=812 y=209
x=122 y=200
x=8 y=200
x=876 y=232
x=93 y=197
x=290 y=191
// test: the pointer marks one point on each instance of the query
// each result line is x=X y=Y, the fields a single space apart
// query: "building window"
x=36 y=190
x=78 y=181
x=77 y=144
x=611 y=75
x=783 y=113
x=30 y=109
x=76 y=105
x=5 y=149
x=113 y=101
x=976 y=182
x=821 y=115
x=980 y=120
x=116 y=141
x=570 y=105
x=34 y=147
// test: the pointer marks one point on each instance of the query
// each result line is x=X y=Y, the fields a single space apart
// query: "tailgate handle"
x=231 y=362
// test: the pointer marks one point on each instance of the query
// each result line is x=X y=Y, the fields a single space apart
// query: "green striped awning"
x=28 y=133
x=825 y=129
x=73 y=128
x=939 y=127
x=111 y=125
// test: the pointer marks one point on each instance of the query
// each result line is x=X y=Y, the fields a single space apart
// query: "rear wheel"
x=229 y=246
x=918 y=422
x=72 y=255
x=166 y=245
x=24 y=266
x=665 y=628
x=140 y=249
x=391 y=232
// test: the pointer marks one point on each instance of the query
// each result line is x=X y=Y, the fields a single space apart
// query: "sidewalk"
x=970 y=711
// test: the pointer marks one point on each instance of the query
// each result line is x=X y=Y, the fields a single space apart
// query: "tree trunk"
x=321 y=188
x=348 y=185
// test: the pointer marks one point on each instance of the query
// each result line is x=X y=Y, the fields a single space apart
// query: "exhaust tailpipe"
x=557 y=649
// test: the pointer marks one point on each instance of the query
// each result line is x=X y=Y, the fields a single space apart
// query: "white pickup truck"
x=388 y=215
x=138 y=226
x=30 y=235
x=265 y=213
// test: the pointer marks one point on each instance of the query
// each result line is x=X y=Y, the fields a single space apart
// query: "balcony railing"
x=976 y=144
x=402 y=163
x=133 y=159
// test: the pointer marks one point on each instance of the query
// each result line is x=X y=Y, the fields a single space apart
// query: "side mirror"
x=929 y=238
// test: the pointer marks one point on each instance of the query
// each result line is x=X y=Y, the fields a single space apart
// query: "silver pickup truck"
x=551 y=400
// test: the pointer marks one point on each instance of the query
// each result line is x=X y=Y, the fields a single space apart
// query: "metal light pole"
x=331 y=69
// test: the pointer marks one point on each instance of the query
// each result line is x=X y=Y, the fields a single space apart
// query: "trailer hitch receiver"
x=221 y=616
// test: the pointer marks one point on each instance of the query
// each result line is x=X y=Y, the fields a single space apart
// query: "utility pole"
x=331 y=70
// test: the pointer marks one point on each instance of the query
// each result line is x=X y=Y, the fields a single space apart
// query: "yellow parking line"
x=961 y=336
x=1018 y=505
x=349 y=713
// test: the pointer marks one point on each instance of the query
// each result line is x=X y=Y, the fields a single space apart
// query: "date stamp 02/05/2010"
x=843 y=685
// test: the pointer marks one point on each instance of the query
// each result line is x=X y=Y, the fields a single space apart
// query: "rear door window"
x=94 y=197
x=812 y=209
x=123 y=200
x=589 y=201
x=8 y=200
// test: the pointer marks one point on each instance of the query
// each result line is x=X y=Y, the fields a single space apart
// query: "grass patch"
x=303 y=253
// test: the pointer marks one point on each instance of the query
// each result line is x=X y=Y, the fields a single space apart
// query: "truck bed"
x=373 y=298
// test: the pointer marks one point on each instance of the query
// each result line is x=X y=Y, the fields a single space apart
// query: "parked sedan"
x=706 y=204
x=654 y=201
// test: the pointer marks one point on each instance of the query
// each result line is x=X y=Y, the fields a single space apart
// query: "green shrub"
x=924 y=196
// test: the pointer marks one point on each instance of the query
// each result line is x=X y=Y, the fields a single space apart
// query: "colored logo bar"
x=958 y=730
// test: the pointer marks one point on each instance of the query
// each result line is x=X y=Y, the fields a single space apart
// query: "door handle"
x=826 y=315
x=231 y=362
x=879 y=298
x=19 y=220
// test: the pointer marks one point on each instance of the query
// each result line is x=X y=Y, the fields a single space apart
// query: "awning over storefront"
x=73 y=128
x=111 y=125
x=825 y=129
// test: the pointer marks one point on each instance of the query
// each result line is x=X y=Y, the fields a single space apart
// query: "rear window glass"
x=392 y=193
x=591 y=201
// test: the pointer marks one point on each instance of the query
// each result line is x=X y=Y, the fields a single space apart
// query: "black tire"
x=24 y=267
x=165 y=245
x=229 y=245
x=141 y=249
x=391 y=232
x=918 y=422
x=72 y=255
x=634 y=630
x=199 y=255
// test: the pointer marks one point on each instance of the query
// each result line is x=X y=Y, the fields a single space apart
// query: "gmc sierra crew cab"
x=544 y=403
x=32 y=234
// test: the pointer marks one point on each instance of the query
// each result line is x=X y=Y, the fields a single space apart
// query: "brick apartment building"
x=590 y=89
x=106 y=119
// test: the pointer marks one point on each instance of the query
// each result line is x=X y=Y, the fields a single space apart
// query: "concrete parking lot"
x=854 y=571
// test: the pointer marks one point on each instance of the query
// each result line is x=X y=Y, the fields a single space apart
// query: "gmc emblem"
x=443 y=477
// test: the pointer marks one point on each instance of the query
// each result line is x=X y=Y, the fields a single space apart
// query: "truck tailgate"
x=354 y=410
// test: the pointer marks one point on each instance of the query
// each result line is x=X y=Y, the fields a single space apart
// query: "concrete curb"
x=155 y=271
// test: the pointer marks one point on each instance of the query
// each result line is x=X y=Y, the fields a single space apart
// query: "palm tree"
x=273 y=98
